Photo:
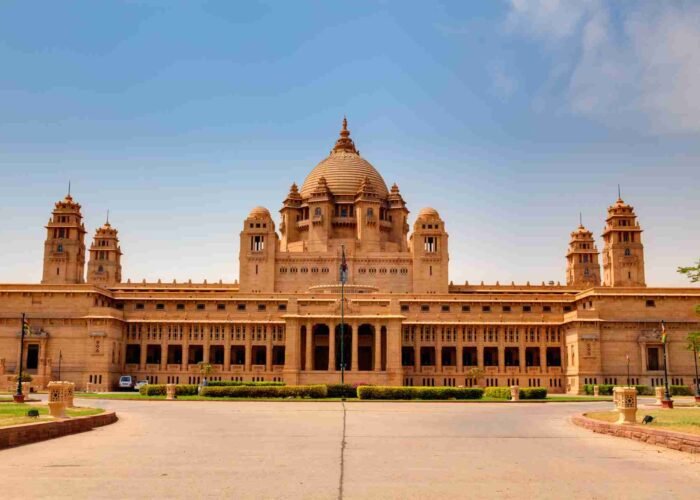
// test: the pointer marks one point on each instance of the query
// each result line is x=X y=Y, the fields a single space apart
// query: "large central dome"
x=344 y=170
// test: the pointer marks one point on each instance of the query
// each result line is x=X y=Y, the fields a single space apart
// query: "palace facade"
x=405 y=322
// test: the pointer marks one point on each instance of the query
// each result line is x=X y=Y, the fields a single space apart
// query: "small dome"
x=428 y=213
x=259 y=213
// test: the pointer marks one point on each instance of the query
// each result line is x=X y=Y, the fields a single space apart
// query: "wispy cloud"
x=504 y=84
x=639 y=69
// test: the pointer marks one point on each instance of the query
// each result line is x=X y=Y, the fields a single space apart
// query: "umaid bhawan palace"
x=405 y=322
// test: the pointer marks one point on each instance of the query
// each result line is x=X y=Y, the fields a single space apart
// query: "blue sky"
x=508 y=117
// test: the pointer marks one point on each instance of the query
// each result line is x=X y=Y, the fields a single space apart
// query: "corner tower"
x=259 y=243
x=623 y=254
x=104 y=266
x=64 y=248
x=428 y=245
x=582 y=267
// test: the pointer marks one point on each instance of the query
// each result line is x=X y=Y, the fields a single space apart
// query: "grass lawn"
x=685 y=420
x=140 y=397
x=14 y=414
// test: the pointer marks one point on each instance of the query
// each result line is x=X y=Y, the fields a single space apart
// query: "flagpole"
x=667 y=402
x=342 y=315
x=19 y=397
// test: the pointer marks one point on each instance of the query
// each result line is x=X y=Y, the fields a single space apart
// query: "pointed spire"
x=68 y=196
x=619 y=193
x=580 y=219
x=344 y=143
x=107 y=221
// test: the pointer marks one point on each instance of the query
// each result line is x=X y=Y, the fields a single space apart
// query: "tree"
x=205 y=369
x=475 y=374
x=692 y=272
x=694 y=346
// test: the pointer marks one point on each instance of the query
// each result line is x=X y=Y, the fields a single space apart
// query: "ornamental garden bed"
x=15 y=414
x=679 y=420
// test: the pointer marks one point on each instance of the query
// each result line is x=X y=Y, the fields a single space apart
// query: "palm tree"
x=205 y=369
x=694 y=345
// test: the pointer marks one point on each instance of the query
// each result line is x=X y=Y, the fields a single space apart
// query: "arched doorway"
x=320 y=346
x=347 y=346
x=365 y=347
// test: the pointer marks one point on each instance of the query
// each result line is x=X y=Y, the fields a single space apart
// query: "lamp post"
x=666 y=402
x=627 y=356
x=343 y=279
x=19 y=397
x=60 y=358
x=696 y=354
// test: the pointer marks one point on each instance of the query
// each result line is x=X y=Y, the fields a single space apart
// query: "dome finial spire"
x=344 y=143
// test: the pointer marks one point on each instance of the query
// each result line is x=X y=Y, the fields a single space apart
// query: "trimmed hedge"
x=680 y=390
x=497 y=392
x=607 y=389
x=432 y=393
x=159 y=390
x=533 y=393
x=235 y=383
x=266 y=391
x=341 y=390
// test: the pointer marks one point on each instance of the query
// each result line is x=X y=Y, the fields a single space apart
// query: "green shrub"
x=341 y=391
x=431 y=393
x=235 y=383
x=644 y=390
x=533 y=393
x=266 y=391
x=159 y=390
x=603 y=389
x=680 y=390
x=497 y=392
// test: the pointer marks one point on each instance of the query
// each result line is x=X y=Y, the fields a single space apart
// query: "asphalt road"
x=354 y=450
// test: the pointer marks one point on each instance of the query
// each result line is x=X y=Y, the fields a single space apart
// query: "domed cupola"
x=344 y=170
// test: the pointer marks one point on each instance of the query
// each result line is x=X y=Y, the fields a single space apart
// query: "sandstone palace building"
x=405 y=322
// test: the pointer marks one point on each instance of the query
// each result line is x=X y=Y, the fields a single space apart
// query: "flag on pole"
x=343 y=268
x=26 y=329
x=663 y=333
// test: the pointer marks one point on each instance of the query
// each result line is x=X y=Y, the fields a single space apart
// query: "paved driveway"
x=392 y=450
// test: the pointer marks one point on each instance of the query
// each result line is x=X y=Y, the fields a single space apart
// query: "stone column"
x=438 y=350
x=625 y=399
x=227 y=351
x=418 y=343
x=268 y=350
x=659 y=393
x=144 y=350
x=460 y=349
x=355 y=350
x=309 y=348
x=248 y=361
x=331 y=347
x=206 y=334
x=377 y=348
x=186 y=331
x=393 y=353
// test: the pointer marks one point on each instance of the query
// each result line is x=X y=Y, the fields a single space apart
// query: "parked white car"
x=140 y=384
x=126 y=382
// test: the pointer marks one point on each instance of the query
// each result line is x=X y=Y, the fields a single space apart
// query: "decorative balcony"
x=174 y=368
x=258 y=368
x=428 y=370
x=554 y=370
x=449 y=370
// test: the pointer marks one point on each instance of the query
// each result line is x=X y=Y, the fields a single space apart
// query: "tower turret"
x=259 y=243
x=104 y=266
x=623 y=254
x=64 y=248
x=582 y=266
x=430 y=256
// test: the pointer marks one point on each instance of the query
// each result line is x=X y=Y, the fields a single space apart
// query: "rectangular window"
x=424 y=308
x=180 y=307
x=200 y=307
x=220 y=307
x=282 y=307
x=567 y=309
x=651 y=303
x=445 y=308
x=653 y=358
x=240 y=307
x=404 y=307
x=547 y=309
x=466 y=309
x=120 y=306
x=486 y=309
x=262 y=307
x=506 y=309
x=160 y=307
x=139 y=306
x=527 y=309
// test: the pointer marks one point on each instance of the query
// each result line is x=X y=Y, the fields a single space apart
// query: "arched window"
x=627 y=252
x=100 y=269
x=370 y=212
x=317 y=212
x=59 y=248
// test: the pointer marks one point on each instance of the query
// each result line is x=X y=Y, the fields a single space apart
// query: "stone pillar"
x=170 y=392
x=377 y=348
x=144 y=350
x=57 y=403
x=514 y=393
x=625 y=399
x=418 y=343
x=186 y=350
x=248 y=360
x=355 y=349
x=596 y=391
x=438 y=350
x=69 y=394
x=268 y=350
x=659 y=394
x=309 y=348
x=331 y=347
x=460 y=350
x=227 y=352
x=206 y=334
